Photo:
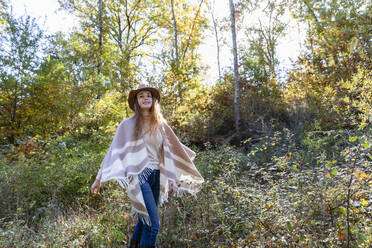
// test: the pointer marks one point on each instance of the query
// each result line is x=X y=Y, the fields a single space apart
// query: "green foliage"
x=338 y=54
x=214 y=162
x=192 y=126
x=181 y=73
x=356 y=105
x=270 y=195
x=102 y=115
x=298 y=177
x=42 y=88
x=20 y=40
x=260 y=105
x=282 y=202
x=261 y=54
x=272 y=150
x=53 y=176
x=3 y=8
x=221 y=116
x=87 y=227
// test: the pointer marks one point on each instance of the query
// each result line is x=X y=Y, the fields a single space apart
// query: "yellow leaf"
x=364 y=175
x=364 y=202
x=357 y=174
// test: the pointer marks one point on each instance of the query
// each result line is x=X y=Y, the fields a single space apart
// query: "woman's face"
x=144 y=99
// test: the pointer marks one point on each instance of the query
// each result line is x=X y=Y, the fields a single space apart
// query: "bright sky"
x=44 y=10
x=53 y=20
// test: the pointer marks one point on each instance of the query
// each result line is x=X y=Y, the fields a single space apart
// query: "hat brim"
x=132 y=95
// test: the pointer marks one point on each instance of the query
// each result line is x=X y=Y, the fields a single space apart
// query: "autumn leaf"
x=341 y=235
x=327 y=208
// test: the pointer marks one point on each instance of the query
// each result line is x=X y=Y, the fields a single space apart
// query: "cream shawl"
x=128 y=157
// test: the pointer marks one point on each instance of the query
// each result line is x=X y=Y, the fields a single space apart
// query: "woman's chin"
x=145 y=108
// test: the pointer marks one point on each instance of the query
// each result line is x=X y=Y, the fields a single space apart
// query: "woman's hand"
x=172 y=189
x=172 y=192
x=95 y=187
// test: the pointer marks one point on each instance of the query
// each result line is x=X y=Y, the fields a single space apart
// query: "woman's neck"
x=145 y=121
x=146 y=116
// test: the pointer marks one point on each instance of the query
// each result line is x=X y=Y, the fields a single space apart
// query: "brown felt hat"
x=132 y=94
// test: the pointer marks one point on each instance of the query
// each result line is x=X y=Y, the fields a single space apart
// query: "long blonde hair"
x=156 y=117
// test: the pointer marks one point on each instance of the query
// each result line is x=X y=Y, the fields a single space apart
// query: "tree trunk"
x=236 y=72
x=217 y=44
x=175 y=32
x=179 y=88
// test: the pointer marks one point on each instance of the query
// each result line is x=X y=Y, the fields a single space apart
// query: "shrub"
x=264 y=197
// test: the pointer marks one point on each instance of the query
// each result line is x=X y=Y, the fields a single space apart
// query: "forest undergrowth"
x=282 y=190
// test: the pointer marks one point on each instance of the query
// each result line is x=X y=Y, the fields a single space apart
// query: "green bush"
x=56 y=175
x=263 y=197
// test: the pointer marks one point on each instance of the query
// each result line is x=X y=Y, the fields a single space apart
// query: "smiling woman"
x=144 y=99
x=147 y=159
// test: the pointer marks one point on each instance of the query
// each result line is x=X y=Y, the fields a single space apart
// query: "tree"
x=125 y=27
x=336 y=29
x=236 y=69
x=211 y=10
x=175 y=33
x=3 y=7
x=20 y=58
x=338 y=48
x=184 y=38
x=180 y=73
x=263 y=38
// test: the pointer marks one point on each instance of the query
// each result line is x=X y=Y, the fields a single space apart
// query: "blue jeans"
x=150 y=190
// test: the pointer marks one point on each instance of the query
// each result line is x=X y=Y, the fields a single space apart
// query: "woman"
x=147 y=159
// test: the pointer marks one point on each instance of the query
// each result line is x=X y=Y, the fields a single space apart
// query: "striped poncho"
x=128 y=157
